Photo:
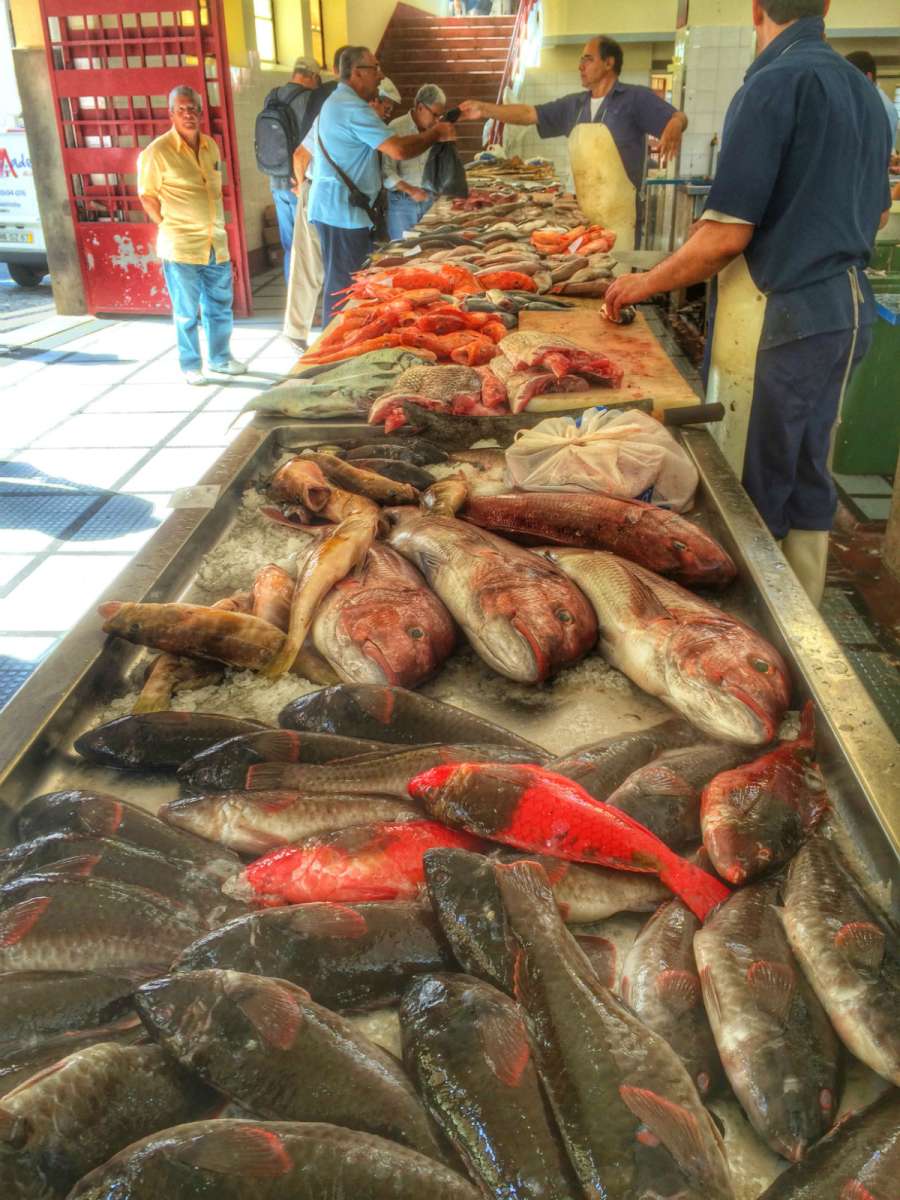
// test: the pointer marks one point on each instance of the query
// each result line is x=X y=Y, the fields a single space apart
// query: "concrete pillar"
x=33 y=80
x=891 y=550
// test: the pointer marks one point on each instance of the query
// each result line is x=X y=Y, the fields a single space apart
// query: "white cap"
x=306 y=66
x=387 y=89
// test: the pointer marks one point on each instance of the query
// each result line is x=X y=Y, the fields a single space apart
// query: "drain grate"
x=882 y=681
x=845 y=622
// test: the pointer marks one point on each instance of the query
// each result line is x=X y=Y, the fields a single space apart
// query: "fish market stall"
x=337 y=777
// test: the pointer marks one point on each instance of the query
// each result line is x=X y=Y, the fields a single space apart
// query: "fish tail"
x=699 y=890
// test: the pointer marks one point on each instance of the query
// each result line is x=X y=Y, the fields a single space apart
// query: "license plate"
x=16 y=235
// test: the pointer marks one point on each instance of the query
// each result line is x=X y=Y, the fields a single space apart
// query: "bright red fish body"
x=537 y=810
x=364 y=862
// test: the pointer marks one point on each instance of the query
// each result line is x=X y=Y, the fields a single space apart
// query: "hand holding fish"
x=627 y=289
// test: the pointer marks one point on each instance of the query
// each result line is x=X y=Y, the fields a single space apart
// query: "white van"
x=22 y=245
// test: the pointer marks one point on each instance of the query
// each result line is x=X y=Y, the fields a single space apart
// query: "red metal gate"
x=112 y=66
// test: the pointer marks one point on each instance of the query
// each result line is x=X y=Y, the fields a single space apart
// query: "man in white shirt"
x=408 y=201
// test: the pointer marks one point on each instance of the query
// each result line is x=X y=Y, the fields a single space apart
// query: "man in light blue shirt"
x=349 y=139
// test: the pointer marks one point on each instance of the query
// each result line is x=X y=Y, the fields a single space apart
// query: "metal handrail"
x=513 y=60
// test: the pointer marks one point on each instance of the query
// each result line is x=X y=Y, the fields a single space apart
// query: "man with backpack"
x=284 y=122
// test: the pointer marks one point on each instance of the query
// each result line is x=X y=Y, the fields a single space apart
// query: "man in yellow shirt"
x=180 y=188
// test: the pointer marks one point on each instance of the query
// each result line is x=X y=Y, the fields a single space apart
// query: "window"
x=264 y=20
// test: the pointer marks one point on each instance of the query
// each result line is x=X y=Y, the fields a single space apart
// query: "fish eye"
x=679 y=545
x=760 y=664
x=564 y=616
x=415 y=632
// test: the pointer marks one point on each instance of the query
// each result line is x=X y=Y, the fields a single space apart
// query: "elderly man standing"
x=347 y=170
x=408 y=201
x=180 y=188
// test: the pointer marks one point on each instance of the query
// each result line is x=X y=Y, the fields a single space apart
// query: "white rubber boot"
x=807 y=552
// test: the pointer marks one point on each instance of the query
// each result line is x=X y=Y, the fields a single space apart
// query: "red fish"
x=755 y=817
x=537 y=810
x=364 y=862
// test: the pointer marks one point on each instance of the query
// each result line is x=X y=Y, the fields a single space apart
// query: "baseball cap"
x=389 y=90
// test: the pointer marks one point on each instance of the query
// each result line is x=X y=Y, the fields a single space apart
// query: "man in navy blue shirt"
x=800 y=191
x=630 y=113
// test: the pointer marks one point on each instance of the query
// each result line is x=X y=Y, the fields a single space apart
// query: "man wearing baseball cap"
x=304 y=94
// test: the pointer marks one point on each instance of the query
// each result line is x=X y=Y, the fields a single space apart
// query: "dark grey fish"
x=777 y=1046
x=401 y=472
x=347 y=956
x=72 y=1117
x=858 y=1160
x=660 y=982
x=158 y=740
x=849 y=953
x=255 y=1160
x=415 y=451
x=379 y=774
x=191 y=888
x=466 y=1049
x=606 y=1074
x=101 y=815
x=223 y=767
x=267 y=1046
x=393 y=714
x=664 y=795
x=36 y=1006
x=23 y=1064
x=68 y=923
x=603 y=766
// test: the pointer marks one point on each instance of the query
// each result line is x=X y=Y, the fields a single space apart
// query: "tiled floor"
x=98 y=431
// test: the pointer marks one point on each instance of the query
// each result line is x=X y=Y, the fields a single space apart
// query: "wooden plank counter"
x=649 y=371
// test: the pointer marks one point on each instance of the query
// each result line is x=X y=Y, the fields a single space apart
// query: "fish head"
x=726 y=680
x=199 y=1015
x=803 y=1106
x=398 y=637
x=535 y=624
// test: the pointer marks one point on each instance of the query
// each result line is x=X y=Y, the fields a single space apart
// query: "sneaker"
x=195 y=378
x=232 y=367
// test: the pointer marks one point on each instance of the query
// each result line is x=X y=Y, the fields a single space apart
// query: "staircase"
x=465 y=56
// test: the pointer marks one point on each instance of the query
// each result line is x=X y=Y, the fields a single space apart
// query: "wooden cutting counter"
x=649 y=371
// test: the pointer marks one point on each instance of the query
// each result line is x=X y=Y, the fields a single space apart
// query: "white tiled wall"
x=715 y=60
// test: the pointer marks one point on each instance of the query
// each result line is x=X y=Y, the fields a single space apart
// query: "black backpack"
x=277 y=133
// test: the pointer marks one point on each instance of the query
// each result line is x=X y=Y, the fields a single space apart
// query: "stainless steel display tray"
x=858 y=753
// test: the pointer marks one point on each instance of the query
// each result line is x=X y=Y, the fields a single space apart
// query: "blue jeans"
x=197 y=292
x=343 y=252
x=404 y=212
x=285 y=211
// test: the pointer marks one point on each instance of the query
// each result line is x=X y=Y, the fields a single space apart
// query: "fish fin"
x=269 y=777
x=647 y=1137
x=862 y=943
x=675 y=1126
x=854 y=1190
x=17 y=921
x=678 y=990
x=601 y=954
x=773 y=985
x=247 y=1150
x=505 y=1046
x=272 y=1011
x=78 y=864
x=699 y=890
x=527 y=877
x=710 y=995
x=330 y=920
x=279 y=746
